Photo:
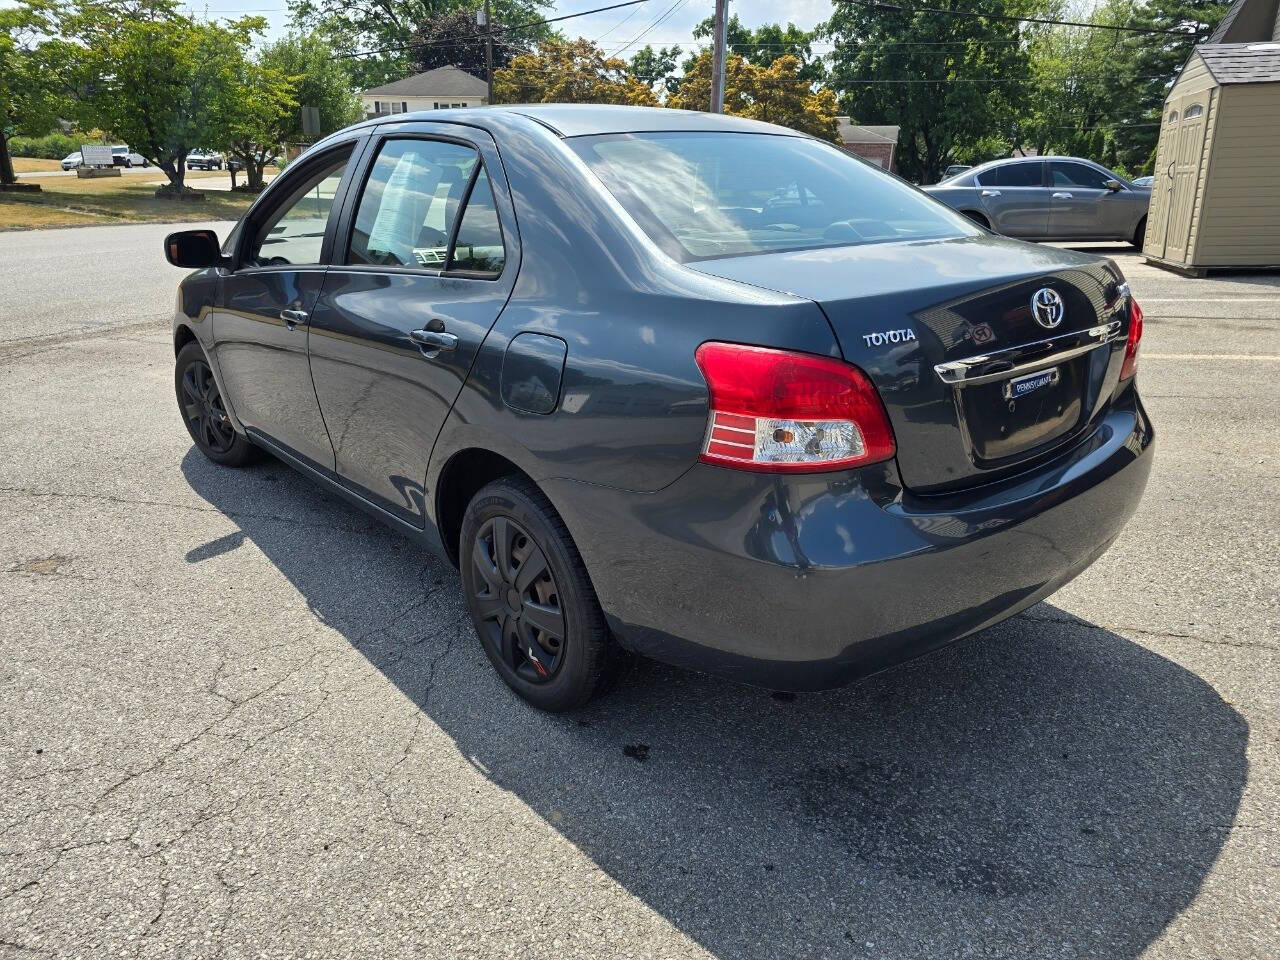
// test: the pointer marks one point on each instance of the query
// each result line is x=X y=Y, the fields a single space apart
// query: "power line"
x=900 y=8
x=670 y=10
x=400 y=48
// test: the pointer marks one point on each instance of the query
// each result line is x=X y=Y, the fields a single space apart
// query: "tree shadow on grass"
x=1046 y=788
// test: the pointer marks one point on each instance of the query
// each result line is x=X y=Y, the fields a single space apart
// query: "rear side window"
x=1012 y=175
x=1076 y=175
x=410 y=204
x=478 y=246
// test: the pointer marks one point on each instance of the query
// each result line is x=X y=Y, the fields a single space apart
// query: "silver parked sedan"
x=1049 y=198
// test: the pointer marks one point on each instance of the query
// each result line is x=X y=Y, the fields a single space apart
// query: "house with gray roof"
x=436 y=89
x=1215 y=202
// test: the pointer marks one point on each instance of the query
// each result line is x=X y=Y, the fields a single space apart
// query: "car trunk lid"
x=975 y=386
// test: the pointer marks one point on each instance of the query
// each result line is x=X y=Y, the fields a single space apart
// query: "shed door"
x=1162 y=185
x=1186 y=156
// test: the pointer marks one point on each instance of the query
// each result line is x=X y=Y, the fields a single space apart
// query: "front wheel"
x=530 y=598
x=205 y=413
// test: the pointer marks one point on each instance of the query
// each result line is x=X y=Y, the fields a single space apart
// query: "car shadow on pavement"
x=1046 y=788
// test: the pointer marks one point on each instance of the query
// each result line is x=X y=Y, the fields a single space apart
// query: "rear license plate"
x=1021 y=386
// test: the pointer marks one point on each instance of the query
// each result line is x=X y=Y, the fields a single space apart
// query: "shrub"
x=53 y=146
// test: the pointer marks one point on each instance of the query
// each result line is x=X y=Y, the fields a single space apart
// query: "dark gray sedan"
x=684 y=384
x=1049 y=198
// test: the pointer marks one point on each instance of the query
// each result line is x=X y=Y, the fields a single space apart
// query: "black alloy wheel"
x=517 y=601
x=530 y=598
x=204 y=412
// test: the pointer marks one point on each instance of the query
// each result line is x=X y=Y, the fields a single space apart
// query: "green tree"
x=765 y=44
x=261 y=110
x=455 y=39
x=388 y=26
x=776 y=93
x=1152 y=61
x=318 y=80
x=33 y=64
x=573 y=71
x=160 y=80
x=948 y=82
x=1077 y=100
x=657 y=68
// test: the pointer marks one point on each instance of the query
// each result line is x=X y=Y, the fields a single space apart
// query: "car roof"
x=586 y=119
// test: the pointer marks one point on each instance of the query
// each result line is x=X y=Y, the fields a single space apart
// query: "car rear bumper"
x=809 y=582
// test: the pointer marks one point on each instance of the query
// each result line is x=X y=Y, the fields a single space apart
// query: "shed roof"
x=851 y=132
x=442 y=81
x=1242 y=62
x=1246 y=20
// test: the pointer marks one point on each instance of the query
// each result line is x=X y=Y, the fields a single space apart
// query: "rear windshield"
x=705 y=195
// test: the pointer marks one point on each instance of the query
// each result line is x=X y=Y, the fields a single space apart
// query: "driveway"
x=239 y=719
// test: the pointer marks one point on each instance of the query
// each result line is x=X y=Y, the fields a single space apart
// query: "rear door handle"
x=292 y=318
x=1062 y=196
x=991 y=193
x=434 y=339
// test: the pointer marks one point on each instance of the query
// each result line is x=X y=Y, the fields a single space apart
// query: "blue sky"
x=615 y=29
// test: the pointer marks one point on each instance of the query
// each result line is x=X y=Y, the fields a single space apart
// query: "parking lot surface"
x=240 y=719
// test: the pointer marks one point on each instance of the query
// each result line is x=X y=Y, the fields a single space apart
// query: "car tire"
x=979 y=219
x=204 y=413
x=509 y=531
x=1140 y=235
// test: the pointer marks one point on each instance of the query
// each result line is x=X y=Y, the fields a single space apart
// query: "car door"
x=1014 y=198
x=1083 y=208
x=426 y=263
x=260 y=326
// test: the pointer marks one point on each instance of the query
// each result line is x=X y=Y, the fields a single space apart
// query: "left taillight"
x=785 y=412
x=1130 y=365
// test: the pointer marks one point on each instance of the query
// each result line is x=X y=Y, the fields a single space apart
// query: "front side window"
x=293 y=233
x=1066 y=174
x=705 y=195
x=410 y=202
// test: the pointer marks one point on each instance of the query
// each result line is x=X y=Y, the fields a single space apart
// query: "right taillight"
x=784 y=412
x=1130 y=365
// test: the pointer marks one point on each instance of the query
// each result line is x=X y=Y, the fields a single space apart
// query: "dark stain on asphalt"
x=44 y=566
x=637 y=751
x=784 y=696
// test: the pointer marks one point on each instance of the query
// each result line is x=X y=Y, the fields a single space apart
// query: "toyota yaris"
x=688 y=385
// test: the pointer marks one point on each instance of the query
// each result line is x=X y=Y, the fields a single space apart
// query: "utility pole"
x=488 y=48
x=718 y=56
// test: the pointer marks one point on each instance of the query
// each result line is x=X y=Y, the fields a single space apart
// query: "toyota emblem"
x=1047 y=307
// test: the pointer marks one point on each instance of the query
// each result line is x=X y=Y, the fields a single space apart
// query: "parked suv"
x=204 y=160
x=1049 y=198
x=122 y=156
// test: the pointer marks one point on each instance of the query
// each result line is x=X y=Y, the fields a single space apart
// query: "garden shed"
x=1215 y=202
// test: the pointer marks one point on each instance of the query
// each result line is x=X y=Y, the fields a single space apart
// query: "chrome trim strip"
x=960 y=373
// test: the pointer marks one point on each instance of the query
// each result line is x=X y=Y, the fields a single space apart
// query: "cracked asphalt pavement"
x=240 y=719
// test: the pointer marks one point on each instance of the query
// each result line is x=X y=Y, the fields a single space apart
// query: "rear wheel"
x=1140 y=234
x=530 y=599
x=204 y=412
x=978 y=218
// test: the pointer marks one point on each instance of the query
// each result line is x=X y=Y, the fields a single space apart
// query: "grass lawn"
x=23 y=165
x=68 y=201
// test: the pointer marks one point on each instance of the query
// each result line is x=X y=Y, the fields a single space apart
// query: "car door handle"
x=434 y=339
x=292 y=318
x=1062 y=196
x=991 y=193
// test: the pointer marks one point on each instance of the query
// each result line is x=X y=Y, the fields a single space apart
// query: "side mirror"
x=193 y=249
x=1114 y=185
